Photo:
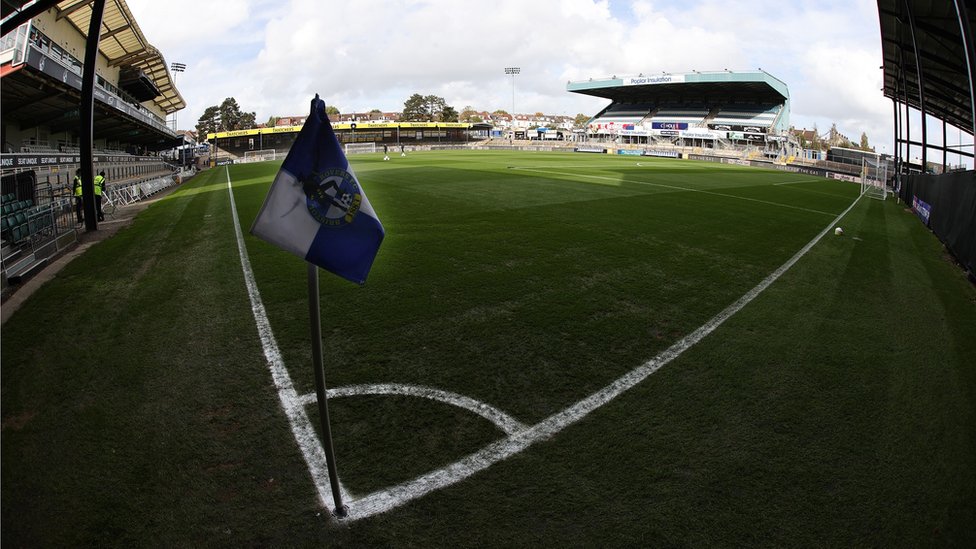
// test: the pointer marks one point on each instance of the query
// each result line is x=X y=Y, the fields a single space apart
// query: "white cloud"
x=272 y=56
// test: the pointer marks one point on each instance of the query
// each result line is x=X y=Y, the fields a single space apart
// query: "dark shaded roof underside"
x=941 y=59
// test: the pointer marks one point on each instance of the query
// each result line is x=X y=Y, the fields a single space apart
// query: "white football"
x=838 y=231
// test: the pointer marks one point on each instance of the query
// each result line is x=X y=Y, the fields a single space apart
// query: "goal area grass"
x=835 y=408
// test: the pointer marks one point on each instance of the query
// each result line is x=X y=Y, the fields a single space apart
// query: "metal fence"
x=51 y=229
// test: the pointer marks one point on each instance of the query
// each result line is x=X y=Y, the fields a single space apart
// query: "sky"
x=273 y=56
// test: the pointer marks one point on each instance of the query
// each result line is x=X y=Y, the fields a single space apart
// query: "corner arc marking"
x=503 y=421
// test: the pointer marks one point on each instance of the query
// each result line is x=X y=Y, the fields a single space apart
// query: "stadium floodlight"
x=176 y=67
x=513 y=71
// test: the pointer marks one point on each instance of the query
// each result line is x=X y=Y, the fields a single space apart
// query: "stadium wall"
x=946 y=204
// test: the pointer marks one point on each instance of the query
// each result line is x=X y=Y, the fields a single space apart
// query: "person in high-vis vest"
x=99 y=188
x=76 y=192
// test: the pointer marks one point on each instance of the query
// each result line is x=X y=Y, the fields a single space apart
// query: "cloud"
x=274 y=55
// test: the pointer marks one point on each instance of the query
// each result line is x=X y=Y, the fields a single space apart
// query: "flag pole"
x=315 y=322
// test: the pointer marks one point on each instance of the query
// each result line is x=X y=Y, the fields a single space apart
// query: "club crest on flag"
x=317 y=209
x=332 y=197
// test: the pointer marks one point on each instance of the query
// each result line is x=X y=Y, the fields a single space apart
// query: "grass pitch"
x=835 y=409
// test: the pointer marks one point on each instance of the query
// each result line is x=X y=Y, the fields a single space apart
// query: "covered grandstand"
x=43 y=121
x=235 y=145
x=719 y=109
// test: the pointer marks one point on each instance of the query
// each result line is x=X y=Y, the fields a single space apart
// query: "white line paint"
x=503 y=421
x=292 y=404
x=519 y=436
x=676 y=187
x=796 y=181
x=385 y=500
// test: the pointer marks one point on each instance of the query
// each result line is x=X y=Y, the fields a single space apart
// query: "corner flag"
x=316 y=208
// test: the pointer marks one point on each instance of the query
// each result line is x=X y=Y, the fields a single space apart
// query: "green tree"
x=580 y=121
x=272 y=122
x=331 y=109
x=209 y=122
x=225 y=117
x=448 y=114
x=233 y=118
x=420 y=108
x=864 y=142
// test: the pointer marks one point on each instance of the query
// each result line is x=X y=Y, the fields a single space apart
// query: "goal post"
x=874 y=177
x=353 y=148
x=259 y=156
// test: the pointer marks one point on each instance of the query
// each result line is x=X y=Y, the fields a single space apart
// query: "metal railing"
x=51 y=229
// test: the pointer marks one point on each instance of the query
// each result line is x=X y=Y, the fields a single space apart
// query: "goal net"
x=352 y=148
x=259 y=156
x=874 y=178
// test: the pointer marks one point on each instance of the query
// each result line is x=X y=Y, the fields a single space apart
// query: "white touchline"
x=293 y=405
x=519 y=437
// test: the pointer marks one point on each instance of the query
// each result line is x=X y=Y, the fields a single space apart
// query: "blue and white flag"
x=316 y=208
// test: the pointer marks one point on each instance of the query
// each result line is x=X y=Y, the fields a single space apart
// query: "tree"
x=864 y=142
x=468 y=114
x=331 y=109
x=580 y=121
x=817 y=142
x=501 y=111
x=233 y=118
x=448 y=114
x=225 y=117
x=272 y=122
x=206 y=123
x=420 y=108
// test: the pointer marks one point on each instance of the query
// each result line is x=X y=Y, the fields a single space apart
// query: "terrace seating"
x=691 y=114
x=13 y=223
x=741 y=116
x=619 y=115
x=624 y=114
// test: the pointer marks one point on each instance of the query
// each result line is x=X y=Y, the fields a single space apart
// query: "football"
x=838 y=231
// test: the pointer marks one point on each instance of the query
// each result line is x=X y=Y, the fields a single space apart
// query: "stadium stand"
x=40 y=121
x=716 y=110
x=232 y=146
